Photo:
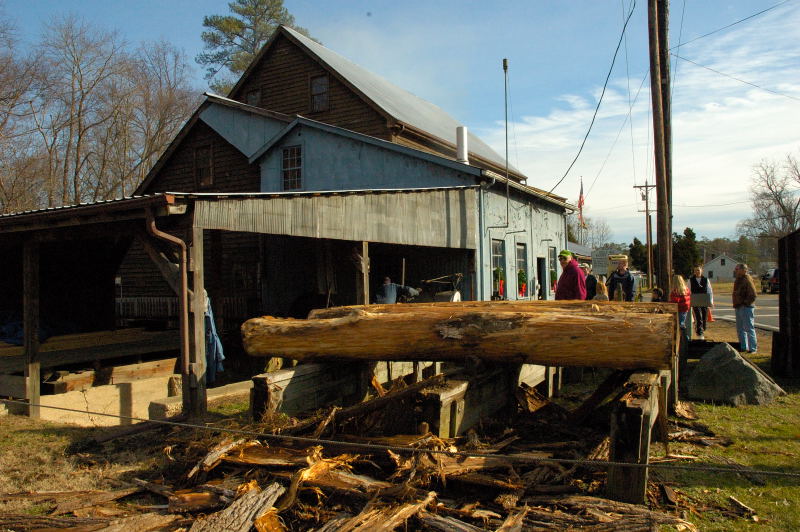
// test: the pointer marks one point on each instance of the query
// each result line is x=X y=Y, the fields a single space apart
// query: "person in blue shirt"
x=389 y=292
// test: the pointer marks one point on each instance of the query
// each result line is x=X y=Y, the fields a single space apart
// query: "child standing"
x=680 y=294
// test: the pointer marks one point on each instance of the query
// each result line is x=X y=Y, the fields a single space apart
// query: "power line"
x=712 y=204
x=737 y=79
x=729 y=25
x=599 y=101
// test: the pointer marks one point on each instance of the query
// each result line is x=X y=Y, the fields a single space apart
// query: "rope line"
x=415 y=450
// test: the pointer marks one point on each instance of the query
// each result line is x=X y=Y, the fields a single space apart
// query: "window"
x=710 y=274
x=203 y=166
x=253 y=97
x=319 y=93
x=292 y=168
x=522 y=270
x=722 y=262
x=498 y=269
x=553 y=260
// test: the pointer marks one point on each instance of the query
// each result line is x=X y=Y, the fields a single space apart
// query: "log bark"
x=568 y=334
x=240 y=516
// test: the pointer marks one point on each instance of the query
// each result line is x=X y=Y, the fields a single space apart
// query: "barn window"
x=498 y=268
x=253 y=97
x=710 y=274
x=319 y=93
x=722 y=262
x=522 y=270
x=292 y=168
x=203 y=166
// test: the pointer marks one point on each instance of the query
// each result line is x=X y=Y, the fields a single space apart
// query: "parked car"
x=771 y=281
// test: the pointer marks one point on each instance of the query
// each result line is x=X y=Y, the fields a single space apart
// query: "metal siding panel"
x=439 y=218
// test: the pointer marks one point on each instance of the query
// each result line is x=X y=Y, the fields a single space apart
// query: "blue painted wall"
x=246 y=131
x=335 y=162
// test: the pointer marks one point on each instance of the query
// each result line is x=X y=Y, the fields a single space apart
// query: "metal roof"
x=399 y=103
x=74 y=213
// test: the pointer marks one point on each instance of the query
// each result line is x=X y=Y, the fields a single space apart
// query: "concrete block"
x=126 y=399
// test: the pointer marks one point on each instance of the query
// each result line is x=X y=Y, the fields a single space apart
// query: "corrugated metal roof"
x=82 y=209
x=399 y=103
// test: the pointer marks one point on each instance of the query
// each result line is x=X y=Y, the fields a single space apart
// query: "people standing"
x=680 y=294
x=571 y=284
x=699 y=284
x=591 y=281
x=621 y=279
x=744 y=298
x=389 y=291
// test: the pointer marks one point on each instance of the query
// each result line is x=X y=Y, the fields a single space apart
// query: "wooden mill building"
x=306 y=186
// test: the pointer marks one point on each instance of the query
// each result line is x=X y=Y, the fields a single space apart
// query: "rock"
x=723 y=376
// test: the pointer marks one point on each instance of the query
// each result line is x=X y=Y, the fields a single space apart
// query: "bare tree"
x=775 y=196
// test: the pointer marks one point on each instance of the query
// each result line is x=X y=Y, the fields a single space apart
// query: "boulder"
x=723 y=376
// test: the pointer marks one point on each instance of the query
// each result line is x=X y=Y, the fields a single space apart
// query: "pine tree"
x=232 y=41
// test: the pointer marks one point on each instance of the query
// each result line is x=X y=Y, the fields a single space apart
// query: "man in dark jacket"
x=623 y=280
x=571 y=284
x=699 y=284
x=591 y=281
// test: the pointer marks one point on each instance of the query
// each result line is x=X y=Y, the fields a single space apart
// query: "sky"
x=450 y=53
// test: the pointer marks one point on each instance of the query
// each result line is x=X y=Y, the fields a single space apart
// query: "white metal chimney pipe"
x=462 y=151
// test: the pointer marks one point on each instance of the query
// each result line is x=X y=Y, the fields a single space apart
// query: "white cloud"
x=721 y=128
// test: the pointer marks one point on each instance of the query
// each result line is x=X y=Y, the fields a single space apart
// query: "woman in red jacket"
x=680 y=294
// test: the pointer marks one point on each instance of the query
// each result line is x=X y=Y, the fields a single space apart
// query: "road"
x=766 y=310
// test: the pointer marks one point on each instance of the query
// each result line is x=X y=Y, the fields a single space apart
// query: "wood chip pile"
x=509 y=481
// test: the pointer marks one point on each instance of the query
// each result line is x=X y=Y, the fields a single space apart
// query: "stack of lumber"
x=86 y=347
x=556 y=333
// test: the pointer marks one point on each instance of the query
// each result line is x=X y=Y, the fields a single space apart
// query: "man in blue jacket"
x=389 y=291
x=621 y=279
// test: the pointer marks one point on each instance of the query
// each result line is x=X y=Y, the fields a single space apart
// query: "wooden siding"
x=283 y=77
x=232 y=172
x=389 y=217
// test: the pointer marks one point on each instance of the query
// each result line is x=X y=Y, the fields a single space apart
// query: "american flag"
x=581 y=221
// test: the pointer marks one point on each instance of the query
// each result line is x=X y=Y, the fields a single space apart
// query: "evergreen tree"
x=637 y=255
x=232 y=41
x=685 y=253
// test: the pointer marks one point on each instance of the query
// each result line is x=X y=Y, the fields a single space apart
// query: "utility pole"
x=649 y=229
x=664 y=270
x=666 y=100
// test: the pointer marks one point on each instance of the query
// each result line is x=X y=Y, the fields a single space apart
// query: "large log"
x=593 y=334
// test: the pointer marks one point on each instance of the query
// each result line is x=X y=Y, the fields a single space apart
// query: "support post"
x=631 y=424
x=30 y=303
x=197 y=364
x=365 y=271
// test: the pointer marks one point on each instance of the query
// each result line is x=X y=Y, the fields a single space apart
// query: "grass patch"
x=764 y=438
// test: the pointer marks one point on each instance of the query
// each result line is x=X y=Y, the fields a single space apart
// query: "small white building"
x=720 y=268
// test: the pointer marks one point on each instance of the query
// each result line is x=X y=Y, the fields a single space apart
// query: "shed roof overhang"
x=436 y=217
x=101 y=212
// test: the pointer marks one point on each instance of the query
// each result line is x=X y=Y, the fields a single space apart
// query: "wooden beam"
x=30 y=303
x=631 y=424
x=197 y=364
x=110 y=375
x=156 y=342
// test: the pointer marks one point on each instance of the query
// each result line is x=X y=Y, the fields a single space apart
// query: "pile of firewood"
x=493 y=478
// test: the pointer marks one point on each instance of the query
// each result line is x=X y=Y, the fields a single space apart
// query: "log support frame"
x=631 y=425
x=195 y=389
x=461 y=403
